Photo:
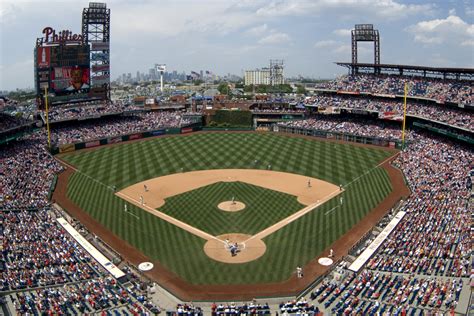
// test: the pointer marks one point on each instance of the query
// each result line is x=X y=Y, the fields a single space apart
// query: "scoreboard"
x=63 y=69
x=69 y=55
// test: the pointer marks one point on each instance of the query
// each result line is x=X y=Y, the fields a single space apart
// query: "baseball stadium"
x=353 y=199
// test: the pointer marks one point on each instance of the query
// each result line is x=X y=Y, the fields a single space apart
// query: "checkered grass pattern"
x=293 y=245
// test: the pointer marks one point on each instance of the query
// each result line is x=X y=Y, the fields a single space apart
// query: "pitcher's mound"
x=230 y=206
x=245 y=251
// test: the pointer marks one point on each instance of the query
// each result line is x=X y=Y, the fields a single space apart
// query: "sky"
x=230 y=36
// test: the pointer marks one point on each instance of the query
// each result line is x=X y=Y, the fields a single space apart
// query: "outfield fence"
x=391 y=143
x=64 y=148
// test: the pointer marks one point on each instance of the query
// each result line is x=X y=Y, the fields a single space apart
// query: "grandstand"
x=408 y=272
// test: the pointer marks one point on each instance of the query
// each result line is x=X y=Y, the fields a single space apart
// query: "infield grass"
x=293 y=245
x=263 y=208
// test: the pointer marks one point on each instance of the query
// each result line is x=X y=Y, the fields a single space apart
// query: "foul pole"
x=47 y=118
x=404 y=115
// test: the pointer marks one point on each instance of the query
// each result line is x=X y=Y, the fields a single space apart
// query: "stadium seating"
x=27 y=170
x=8 y=122
x=452 y=116
x=454 y=91
x=108 y=127
x=354 y=126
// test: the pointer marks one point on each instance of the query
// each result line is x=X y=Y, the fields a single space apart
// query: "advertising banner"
x=44 y=57
x=186 y=130
x=44 y=85
x=92 y=144
x=66 y=148
x=100 y=46
x=135 y=136
x=114 y=140
x=98 y=56
x=97 y=68
x=70 y=79
x=99 y=82
x=157 y=133
x=348 y=92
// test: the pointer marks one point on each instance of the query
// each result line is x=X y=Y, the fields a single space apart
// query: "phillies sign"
x=51 y=37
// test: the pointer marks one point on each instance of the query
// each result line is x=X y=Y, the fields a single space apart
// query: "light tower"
x=276 y=72
x=96 y=34
x=365 y=33
x=161 y=68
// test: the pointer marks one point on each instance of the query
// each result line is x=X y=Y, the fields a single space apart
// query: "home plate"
x=325 y=261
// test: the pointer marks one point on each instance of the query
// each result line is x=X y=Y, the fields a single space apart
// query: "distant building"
x=264 y=76
x=257 y=77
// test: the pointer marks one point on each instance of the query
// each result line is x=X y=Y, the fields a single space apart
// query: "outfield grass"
x=293 y=245
x=264 y=208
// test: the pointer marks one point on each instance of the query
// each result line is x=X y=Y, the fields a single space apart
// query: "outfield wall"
x=340 y=136
x=117 y=139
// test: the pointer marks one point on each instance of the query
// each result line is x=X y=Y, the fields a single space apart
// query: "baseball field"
x=122 y=188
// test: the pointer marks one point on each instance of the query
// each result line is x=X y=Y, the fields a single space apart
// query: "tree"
x=300 y=89
x=198 y=82
x=223 y=88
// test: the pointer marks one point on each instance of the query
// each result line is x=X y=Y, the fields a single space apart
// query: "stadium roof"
x=466 y=73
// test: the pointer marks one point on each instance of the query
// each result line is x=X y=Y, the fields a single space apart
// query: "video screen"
x=66 y=80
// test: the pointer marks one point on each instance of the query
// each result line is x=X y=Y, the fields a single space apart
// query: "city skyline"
x=233 y=36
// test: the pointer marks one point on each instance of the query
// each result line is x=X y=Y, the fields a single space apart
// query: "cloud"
x=342 y=32
x=372 y=8
x=258 y=30
x=180 y=17
x=344 y=48
x=469 y=42
x=275 y=38
x=326 y=43
x=439 y=31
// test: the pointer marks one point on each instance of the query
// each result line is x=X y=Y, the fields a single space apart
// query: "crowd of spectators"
x=110 y=127
x=388 y=292
x=425 y=261
x=251 y=308
x=101 y=294
x=26 y=172
x=441 y=90
x=8 y=122
x=188 y=309
x=37 y=252
x=354 y=126
x=434 y=237
x=299 y=307
x=50 y=273
x=452 y=116
x=85 y=110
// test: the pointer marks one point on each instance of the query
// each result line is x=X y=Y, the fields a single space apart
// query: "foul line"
x=270 y=230
x=331 y=210
x=132 y=214
x=372 y=169
x=193 y=230
x=82 y=173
